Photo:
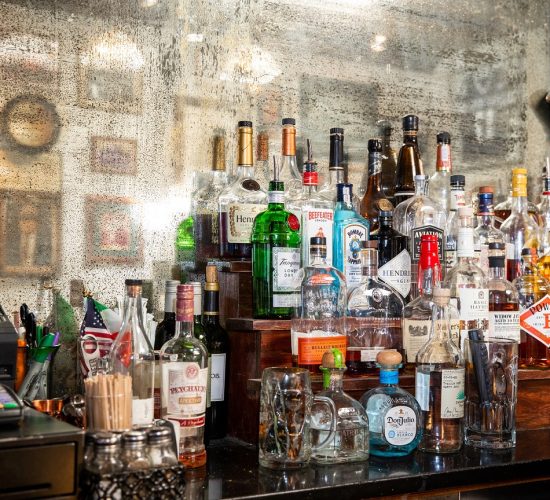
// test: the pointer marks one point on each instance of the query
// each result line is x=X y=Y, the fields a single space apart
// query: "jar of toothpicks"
x=109 y=402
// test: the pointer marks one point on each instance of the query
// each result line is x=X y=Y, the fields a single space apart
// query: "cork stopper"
x=211 y=284
x=389 y=358
x=262 y=147
x=486 y=189
x=219 y=153
x=441 y=296
x=333 y=359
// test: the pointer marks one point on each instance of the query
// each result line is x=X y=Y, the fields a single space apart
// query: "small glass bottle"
x=161 y=447
x=133 y=355
x=395 y=421
x=485 y=231
x=290 y=174
x=440 y=382
x=134 y=454
x=106 y=456
x=336 y=171
x=453 y=223
x=409 y=163
x=374 y=316
x=439 y=181
x=351 y=439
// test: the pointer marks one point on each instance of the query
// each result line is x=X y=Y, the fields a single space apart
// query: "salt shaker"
x=134 y=450
x=105 y=459
x=161 y=451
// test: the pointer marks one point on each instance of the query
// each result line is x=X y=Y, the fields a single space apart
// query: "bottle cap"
x=496 y=261
x=102 y=439
x=185 y=292
x=388 y=214
x=444 y=138
x=529 y=251
x=134 y=437
x=519 y=182
x=336 y=130
x=159 y=435
x=458 y=180
x=410 y=122
x=172 y=284
x=336 y=153
x=374 y=146
x=333 y=359
x=318 y=241
x=429 y=255
x=289 y=121
x=419 y=178
x=244 y=124
x=486 y=189
x=389 y=358
x=495 y=245
x=132 y=282
x=245 y=148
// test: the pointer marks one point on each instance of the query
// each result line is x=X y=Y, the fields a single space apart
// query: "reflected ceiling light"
x=168 y=210
x=378 y=44
x=115 y=49
x=149 y=3
x=195 y=37
x=252 y=66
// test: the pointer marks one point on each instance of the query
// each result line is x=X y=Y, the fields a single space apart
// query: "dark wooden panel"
x=249 y=324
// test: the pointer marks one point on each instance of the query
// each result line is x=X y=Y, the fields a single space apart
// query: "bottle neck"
x=211 y=313
x=410 y=137
x=333 y=379
x=184 y=329
x=428 y=279
x=485 y=220
x=170 y=302
x=289 y=164
x=420 y=187
x=465 y=243
x=132 y=320
x=245 y=171
x=336 y=175
x=389 y=376
x=496 y=273
x=457 y=198
x=440 y=322
x=317 y=259
x=275 y=195
x=443 y=162
x=520 y=204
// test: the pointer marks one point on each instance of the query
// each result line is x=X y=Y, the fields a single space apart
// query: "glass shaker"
x=106 y=456
x=161 y=449
x=134 y=450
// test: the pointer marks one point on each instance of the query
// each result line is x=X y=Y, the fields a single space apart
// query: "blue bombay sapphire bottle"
x=395 y=419
x=350 y=231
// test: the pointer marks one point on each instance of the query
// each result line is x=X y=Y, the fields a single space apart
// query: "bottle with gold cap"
x=290 y=174
x=520 y=230
x=240 y=202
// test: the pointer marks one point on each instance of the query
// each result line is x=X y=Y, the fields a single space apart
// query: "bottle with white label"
x=395 y=421
x=184 y=382
x=350 y=231
x=218 y=348
x=453 y=223
x=440 y=382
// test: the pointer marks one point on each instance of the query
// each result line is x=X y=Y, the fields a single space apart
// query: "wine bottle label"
x=240 y=219
x=400 y=425
x=417 y=234
x=143 y=411
x=535 y=320
x=317 y=222
x=354 y=235
x=217 y=387
x=473 y=310
x=286 y=264
x=452 y=393
x=397 y=273
x=310 y=347
x=504 y=325
x=416 y=333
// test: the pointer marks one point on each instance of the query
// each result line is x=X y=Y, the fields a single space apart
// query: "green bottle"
x=185 y=240
x=275 y=257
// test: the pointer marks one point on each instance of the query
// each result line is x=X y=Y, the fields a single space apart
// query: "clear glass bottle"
x=389 y=159
x=416 y=216
x=275 y=257
x=544 y=224
x=409 y=164
x=134 y=454
x=451 y=231
x=132 y=354
x=320 y=320
x=351 y=439
x=440 y=383
x=241 y=201
x=395 y=421
x=290 y=174
x=106 y=456
x=184 y=384
x=485 y=231
x=533 y=290
x=161 y=447
x=520 y=231
x=350 y=231
x=374 y=316
x=440 y=180
x=316 y=215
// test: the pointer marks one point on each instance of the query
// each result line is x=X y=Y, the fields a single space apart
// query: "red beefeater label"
x=535 y=320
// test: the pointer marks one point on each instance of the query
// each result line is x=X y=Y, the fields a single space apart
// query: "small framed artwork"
x=114 y=156
x=113 y=232
x=30 y=227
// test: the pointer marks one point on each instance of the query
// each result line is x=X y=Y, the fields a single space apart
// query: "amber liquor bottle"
x=389 y=159
x=408 y=163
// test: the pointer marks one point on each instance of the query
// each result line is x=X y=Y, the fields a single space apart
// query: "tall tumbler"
x=285 y=415
x=491 y=392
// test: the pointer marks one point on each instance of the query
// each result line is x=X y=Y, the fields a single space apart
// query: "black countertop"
x=233 y=472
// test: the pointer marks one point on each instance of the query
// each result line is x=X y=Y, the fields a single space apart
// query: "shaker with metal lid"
x=134 y=450
x=161 y=451
x=105 y=459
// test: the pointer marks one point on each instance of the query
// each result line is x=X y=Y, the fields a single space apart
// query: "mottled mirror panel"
x=108 y=108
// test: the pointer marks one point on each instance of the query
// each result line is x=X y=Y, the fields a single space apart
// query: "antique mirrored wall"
x=108 y=108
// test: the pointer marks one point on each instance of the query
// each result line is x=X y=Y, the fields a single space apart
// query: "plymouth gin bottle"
x=275 y=257
x=132 y=354
x=350 y=231
x=184 y=384
x=439 y=181
x=485 y=232
x=240 y=202
x=374 y=316
x=320 y=320
x=395 y=421
x=440 y=383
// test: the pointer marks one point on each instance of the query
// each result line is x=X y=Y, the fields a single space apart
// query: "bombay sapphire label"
x=400 y=425
x=397 y=273
x=417 y=234
x=354 y=235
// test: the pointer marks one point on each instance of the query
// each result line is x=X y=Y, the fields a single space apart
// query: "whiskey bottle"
x=440 y=383
x=520 y=231
x=320 y=320
x=374 y=199
x=451 y=232
x=409 y=164
x=389 y=159
x=240 y=202
x=275 y=257
x=336 y=170
x=439 y=181
x=167 y=327
x=350 y=231
x=290 y=174
x=374 y=316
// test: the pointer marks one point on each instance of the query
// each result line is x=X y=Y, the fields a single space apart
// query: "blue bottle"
x=350 y=231
x=395 y=418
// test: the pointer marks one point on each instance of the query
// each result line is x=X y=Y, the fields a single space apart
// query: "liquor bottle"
x=167 y=327
x=374 y=316
x=275 y=257
x=218 y=348
x=132 y=354
x=336 y=170
x=415 y=217
x=468 y=285
x=409 y=164
x=290 y=174
x=320 y=320
x=351 y=438
x=534 y=290
x=451 y=232
x=315 y=213
x=503 y=297
x=374 y=199
x=520 y=231
x=389 y=159
x=485 y=232
x=544 y=223
x=350 y=231
x=394 y=261
x=240 y=202
x=440 y=383
x=439 y=181
x=184 y=372
x=262 y=167
x=395 y=419
x=204 y=208
x=504 y=209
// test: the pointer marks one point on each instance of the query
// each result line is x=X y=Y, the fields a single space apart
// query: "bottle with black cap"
x=451 y=234
x=290 y=173
x=408 y=162
x=374 y=199
x=241 y=201
x=439 y=181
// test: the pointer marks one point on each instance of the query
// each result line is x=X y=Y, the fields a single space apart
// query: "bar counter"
x=233 y=472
